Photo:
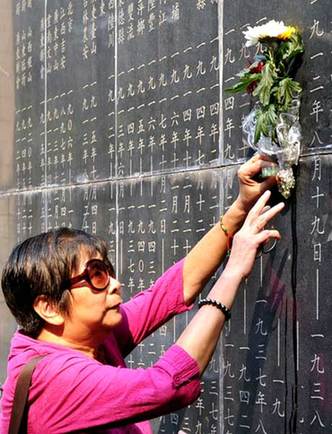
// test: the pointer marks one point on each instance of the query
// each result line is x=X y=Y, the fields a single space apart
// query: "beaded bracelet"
x=218 y=305
x=228 y=235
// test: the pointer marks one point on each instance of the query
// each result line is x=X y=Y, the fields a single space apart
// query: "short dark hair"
x=42 y=265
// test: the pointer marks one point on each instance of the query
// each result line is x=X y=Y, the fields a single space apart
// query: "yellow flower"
x=270 y=30
x=290 y=30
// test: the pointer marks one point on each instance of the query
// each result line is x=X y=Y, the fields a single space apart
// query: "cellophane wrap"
x=285 y=149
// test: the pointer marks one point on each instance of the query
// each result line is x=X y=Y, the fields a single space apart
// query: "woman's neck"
x=89 y=347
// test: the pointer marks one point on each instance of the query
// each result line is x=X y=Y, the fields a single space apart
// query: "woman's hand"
x=250 y=189
x=203 y=260
x=200 y=337
x=252 y=235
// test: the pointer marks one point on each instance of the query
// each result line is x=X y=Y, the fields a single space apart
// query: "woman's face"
x=93 y=312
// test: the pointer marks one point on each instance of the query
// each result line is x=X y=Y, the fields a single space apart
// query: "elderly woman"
x=64 y=294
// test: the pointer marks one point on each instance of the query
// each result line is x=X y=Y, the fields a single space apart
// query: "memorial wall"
x=114 y=119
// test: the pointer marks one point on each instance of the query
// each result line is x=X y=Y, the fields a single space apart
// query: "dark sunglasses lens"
x=98 y=274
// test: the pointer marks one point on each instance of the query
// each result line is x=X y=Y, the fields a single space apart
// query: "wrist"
x=232 y=274
x=226 y=287
x=235 y=216
x=241 y=205
x=234 y=269
x=212 y=302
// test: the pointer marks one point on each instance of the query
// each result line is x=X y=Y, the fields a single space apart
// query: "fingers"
x=257 y=156
x=263 y=157
x=272 y=212
x=263 y=219
x=267 y=234
x=254 y=166
x=251 y=185
x=268 y=183
x=257 y=209
x=261 y=214
x=249 y=171
x=266 y=208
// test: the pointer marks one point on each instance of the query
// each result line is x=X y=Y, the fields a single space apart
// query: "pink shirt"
x=71 y=392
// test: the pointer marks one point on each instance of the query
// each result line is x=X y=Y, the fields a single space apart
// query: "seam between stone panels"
x=39 y=189
x=221 y=76
x=294 y=414
x=221 y=186
x=117 y=238
x=45 y=114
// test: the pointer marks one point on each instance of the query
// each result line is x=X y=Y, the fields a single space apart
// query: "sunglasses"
x=97 y=274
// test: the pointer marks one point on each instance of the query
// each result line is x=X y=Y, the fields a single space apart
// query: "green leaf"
x=266 y=119
x=263 y=89
x=244 y=82
x=291 y=48
x=259 y=126
x=286 y=91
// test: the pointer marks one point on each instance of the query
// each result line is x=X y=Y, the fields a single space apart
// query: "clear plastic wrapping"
x=285 y=149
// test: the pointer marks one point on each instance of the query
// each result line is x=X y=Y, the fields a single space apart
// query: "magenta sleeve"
x=70 y=392
x=151 y=308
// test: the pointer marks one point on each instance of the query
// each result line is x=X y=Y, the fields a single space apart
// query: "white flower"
x=272 y=29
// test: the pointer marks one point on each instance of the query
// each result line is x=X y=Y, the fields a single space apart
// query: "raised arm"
x=201 y=335
x=204 y=259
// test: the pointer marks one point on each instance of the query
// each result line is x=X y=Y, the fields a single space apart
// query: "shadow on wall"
x=264 y=313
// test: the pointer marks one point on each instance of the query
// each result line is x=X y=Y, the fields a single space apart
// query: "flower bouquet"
x=273 y=126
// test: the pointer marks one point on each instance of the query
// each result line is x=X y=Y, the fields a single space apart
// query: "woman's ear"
x=48 y=311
